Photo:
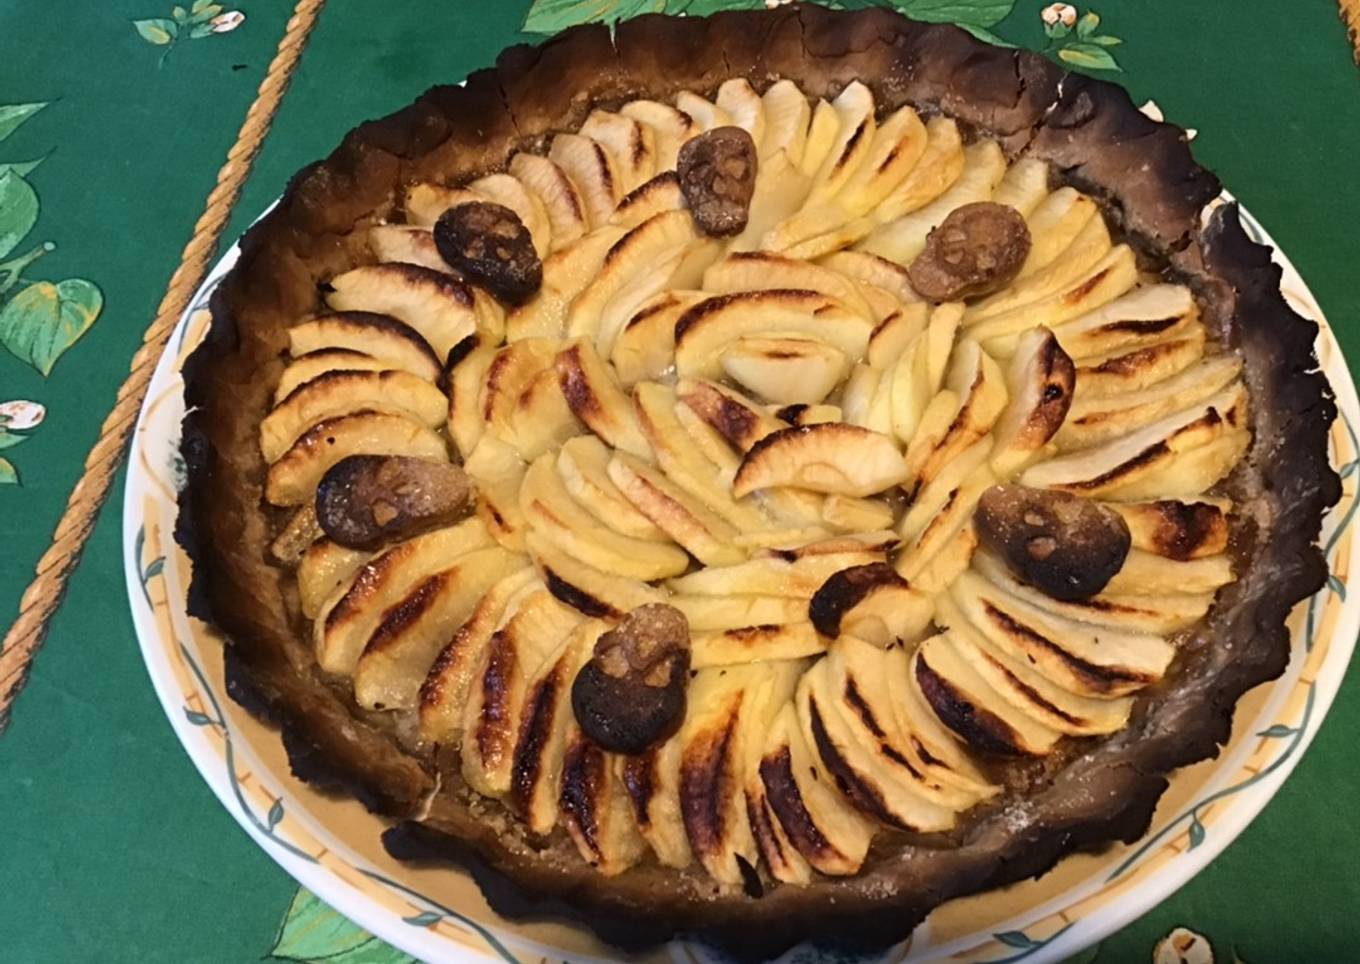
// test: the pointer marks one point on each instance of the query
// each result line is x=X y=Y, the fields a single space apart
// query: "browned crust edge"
x=1088 y=130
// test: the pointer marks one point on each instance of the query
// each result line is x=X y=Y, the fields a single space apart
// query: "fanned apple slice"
x=933 y=497
x=703 y=533
x=903 y=239
x=583 y=464
x=1174 y=457
x=831 y=457
x=670 y=126
x=437 y=305
x=1159 y=613
x=735 y=418
x=685 y=463
x=645 y=345
x=764 y=643
x=872 y=603
x=816 y=820
x=631 y=144
x=1147 y=315
x=425 y=203
x=780 y=190
x=895 y=333
x=379 y=336
x=1078 y=260
x=1092 y=421
x=872 y=271
x=652 y=782
x=508 y=377
x=445 y=689
x=344 y=392
x=850 y=514
x=349 y=617
x=1190 y=529
x=406 y=243
x=708 y=327
x=1096 y=661
x=854 y=107
x=764 y=270
x=317 y=363
x=511 y=192
x=495 y=699
x=744 y=106
x=292 y=479
x=861 y=688
x=822 y=134
x=782 y=860
x=650 y=198
x=566 y=273
x=1030 y=692
x=787 y=115
x=325 y=566
x=584 y=588
x=566 y=211
x=466 y=415
x=1112 y=276
x=705 y=114
x=594 y=807
x=544 y=420
x=974 y=396
x=966 y=703
x=497 y=470
x=717 y=613
x=1148 y=573
x=785 y=371
x=797 y=578
x=919 y=371
x=1054 y=224
x=865 y=775
x=593 y=171
x=1138 y=368
x=561 y=520
x=536 y=770
x=934 y=557
x=866 y=399
x=1025 y=185
x=937 y=170
x=877 y=543
x=1040 y=382
x=595 y=397
x=401 y=648
x=805 y=413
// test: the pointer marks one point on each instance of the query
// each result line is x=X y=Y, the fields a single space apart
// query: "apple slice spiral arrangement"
x=771 y=430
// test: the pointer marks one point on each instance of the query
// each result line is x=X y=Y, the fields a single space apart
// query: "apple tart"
x=791 y=465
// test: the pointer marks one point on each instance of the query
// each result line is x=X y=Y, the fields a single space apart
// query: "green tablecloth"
x=113 y=849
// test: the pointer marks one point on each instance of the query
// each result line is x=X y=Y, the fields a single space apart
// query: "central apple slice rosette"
x=922 y=457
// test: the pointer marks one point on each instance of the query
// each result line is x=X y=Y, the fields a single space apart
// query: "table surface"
x=111 y=862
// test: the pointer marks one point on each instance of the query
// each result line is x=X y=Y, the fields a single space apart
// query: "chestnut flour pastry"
x=756 y=476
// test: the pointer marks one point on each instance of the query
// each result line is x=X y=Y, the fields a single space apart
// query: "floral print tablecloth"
x=114 y=119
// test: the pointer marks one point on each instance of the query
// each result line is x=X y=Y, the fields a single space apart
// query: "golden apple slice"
x=1054 y=224
x=497 y=470
x=782 y=860
x=594 y=395
x=817 y=821
x=645 y=346
x=632 y=146
x=849 y=514
x=780 y=189
x=343 y=393
x=1177 y=530
x=797 y=577
x=1025 y=185
x=1151 y=574
x=831 y=457
x=652 y=782
x=717 y=613
x=583 y=464
x=785 y=370
x=425 y=203
x=892 y=336
x=806 y=413
x=508 y=377
x=293 y=478
x=405 y=243
x=942 y=548
x=561 y=520
x=586 y=589
x=744 y=106
x=764 y=271
x=704 y=534
x=737 y=419
x=466 y=414
x=509 y=191
x=1040 y=382
x=670 y=126
x=1148 y=315
x=593 y=170
x=974 y=397
x=650 y=198
x=966 y=703
x=562 y=202
x=437 y=305
x=854 y=107
x=1078 y=261
x=379 y=336
x=411 y=633
x=873 y=271
x=595 y=807
x=566 y=273
x=325 y=566
x=317 y=363
x=764 y=643
x=349 y=617
x=704 y=113
x=903 y=239
x=937 y=170
x=919 y=371
x=445 y=689
x=1137 y=368
x=787 y=116
x=546 y=719
x=872 y=603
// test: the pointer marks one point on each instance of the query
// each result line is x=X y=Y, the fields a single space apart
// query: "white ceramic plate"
x=332 y=846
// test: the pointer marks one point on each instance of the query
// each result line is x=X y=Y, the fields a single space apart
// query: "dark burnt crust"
x=1093 y=136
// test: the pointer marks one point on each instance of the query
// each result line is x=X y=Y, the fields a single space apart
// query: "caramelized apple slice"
x=437 y=305
x=379 y=336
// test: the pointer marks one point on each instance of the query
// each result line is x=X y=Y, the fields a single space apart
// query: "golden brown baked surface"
x=1091 y=136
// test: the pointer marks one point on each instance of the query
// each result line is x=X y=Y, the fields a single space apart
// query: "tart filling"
x=746 y=483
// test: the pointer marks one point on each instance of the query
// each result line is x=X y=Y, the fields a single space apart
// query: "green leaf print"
x=311 y=931
x=551 y=16
x=1088 y=55
x=982 y=13
x=157 y=30
x=18 y=210
x=43 y=320
x=12 y=115
x=8 y=474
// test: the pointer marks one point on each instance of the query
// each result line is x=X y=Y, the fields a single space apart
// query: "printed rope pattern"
x=42 y=596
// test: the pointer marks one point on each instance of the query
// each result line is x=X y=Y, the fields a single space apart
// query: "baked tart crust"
x=1152 y=195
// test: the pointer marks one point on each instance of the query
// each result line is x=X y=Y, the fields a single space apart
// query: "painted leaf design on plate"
x=43 y=320
x=18 y=210
x=550 y=16
x=311 y=931
x=1089 y=55
x=8 y=474
x=981 y=13
x=157 y=30
x=12 y=115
